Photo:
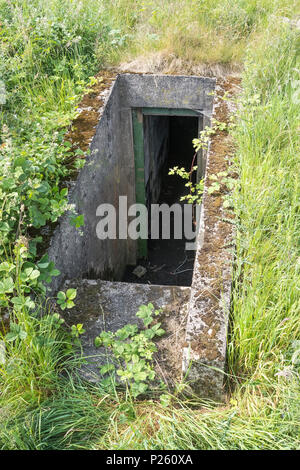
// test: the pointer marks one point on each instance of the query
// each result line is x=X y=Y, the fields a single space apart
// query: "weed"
x=133 y=351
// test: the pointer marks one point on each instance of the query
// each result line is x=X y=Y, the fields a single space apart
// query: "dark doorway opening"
x=167 y=142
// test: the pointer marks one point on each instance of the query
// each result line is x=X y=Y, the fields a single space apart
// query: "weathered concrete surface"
x=166 y=91
x=206 y=336
x=78 y=252
x=103 y=305
x=110 y=172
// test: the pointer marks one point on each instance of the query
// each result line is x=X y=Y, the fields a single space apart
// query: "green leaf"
x=18 y=301
x=22 y=334
x=44 y=262
x=34 y=275
x=80 y=328
x=71 y=294
x=78 y=221
x=138 y=389
x=98 y=342
x=119 y=348
x=140 y=376
x=107 y=368
x=165 y=400
x=54 y=272
x=11 y=336
x=29 y=303
x=61 y=296
x=135 y=358
x=7 y=286
x=43 y=265
x=4 y=227
x=160 y=332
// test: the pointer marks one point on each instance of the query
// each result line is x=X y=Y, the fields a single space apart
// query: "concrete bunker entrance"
x=167 y=112
x=162 y=140
x=195 y=317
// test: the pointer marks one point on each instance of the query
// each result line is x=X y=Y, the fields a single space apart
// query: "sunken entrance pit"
x=167 y=142
x=146 y=125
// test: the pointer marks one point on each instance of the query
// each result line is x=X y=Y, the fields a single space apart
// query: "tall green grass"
x=45 y=67
x=266 y=303
x=211 y=32
x=263 y=349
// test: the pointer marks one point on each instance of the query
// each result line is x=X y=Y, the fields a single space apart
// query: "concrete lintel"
x=167 y=91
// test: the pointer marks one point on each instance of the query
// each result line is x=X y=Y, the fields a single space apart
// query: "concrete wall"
x=109 y=173
x=156 y=143
x=74 y=251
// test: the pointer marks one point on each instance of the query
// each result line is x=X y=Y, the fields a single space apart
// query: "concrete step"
x=104 y=305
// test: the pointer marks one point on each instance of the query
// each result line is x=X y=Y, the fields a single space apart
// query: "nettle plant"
x=132 y=351
x=29 y=183
x=22 y=284
x=20 y=277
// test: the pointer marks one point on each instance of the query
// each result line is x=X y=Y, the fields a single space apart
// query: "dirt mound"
x=164 y=62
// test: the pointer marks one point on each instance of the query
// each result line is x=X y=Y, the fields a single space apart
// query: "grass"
x=213 y=32
x=45 y=68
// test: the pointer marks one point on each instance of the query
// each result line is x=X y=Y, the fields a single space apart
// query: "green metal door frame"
x=171 y=112
x=139 y=156
x=139 y=161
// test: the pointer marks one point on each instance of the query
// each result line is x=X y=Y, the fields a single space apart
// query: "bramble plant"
x=65 y=299
x=224 y=178
x=195 y=189
x=203 y=140
x=133 y=351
